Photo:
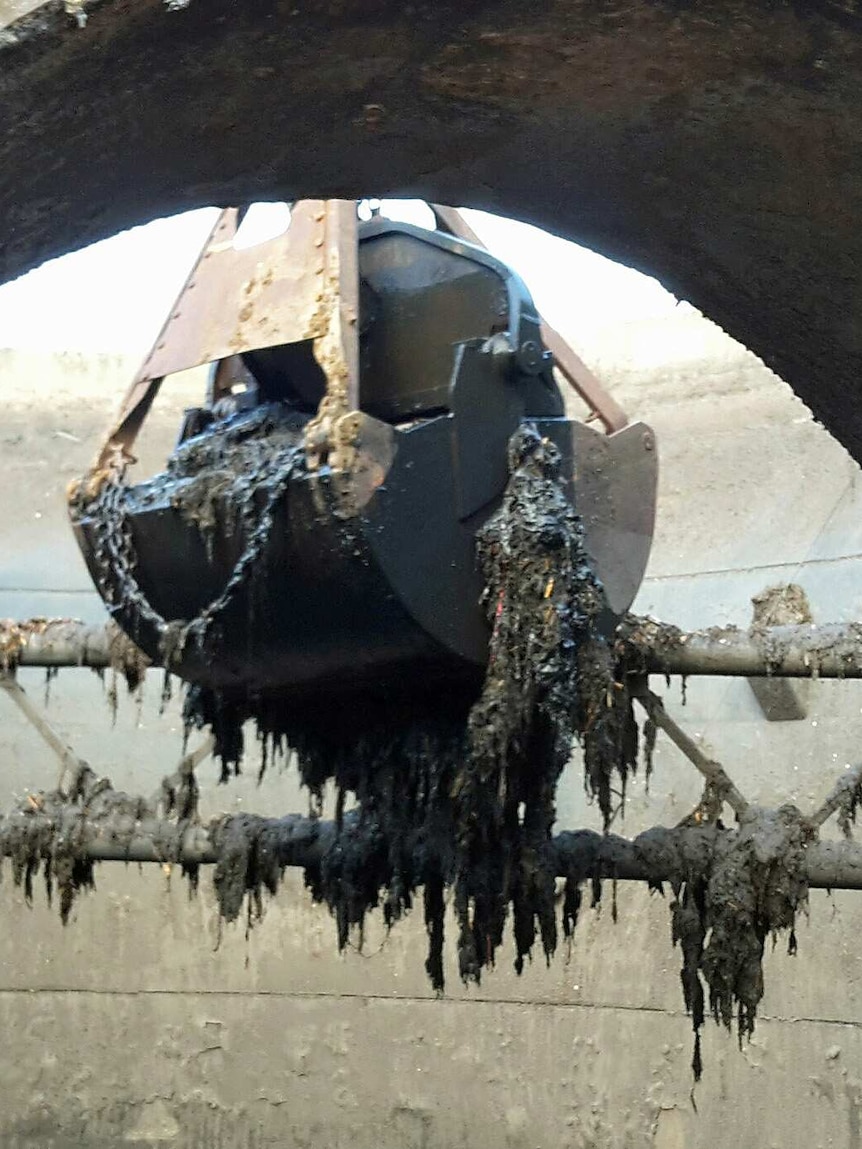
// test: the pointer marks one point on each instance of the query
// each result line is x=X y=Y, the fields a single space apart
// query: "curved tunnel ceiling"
x=712 y=143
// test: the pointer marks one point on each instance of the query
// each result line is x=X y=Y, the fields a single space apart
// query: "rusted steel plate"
x=298 y=286
x=243 y=300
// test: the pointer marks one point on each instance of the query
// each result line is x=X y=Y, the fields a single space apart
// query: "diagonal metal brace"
x=69 y=761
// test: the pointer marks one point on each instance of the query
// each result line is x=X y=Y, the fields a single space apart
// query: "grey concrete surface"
x=142 y=1024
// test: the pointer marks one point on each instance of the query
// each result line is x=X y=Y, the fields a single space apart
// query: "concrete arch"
x=713 y=143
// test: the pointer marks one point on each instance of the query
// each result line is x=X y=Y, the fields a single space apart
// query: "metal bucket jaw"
x=387 y=369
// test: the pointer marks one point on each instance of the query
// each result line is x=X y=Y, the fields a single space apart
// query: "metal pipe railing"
x=658 y=855
x=806 y=651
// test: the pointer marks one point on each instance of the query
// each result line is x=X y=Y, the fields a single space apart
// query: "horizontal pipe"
x=65 y=642
x=301 y=841
x=807 y=651
x=658 y=855
x=834 y=866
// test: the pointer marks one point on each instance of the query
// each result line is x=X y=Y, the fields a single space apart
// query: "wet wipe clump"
x=726 y=907
x=54 y=830
x=549 y=680
x=395 y=762
x=457 y=789
x=398 y=764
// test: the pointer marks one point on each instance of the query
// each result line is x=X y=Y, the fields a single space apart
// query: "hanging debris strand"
x=723 y=912
x=550 y=679
x=62 y=831
x=456 y=787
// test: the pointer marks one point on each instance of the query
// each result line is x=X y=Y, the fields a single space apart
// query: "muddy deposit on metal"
x=447 y=791
x=56 y=830
x=726 y=908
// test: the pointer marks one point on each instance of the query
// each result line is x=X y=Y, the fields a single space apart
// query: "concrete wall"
x=140 y=1025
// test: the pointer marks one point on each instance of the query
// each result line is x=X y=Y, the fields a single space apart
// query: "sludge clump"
x=457 y=789
x=550 y=680
x=54 y=831
x=732 y=891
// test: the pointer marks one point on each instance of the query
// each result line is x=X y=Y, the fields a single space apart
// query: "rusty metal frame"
x=300 y=286
x=568 y=362
x=328 y=436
